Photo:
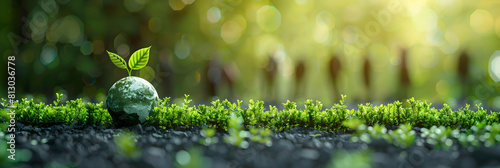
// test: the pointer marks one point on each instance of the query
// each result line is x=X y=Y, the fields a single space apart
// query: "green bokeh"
x=252 y=49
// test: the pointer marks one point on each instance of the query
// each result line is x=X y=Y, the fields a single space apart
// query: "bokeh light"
x=123 y=49
x=442 y=88
x=39 y=25
x=182 y=48
x=350 y=34
x=147 y=73
x=214 y=15
x=325 y=19
x=494 y=66
x=437 y=50
x=182 y=157
x=68 y=29
x=187 y=2
x=268 y=18
x=155 y=24
x=49 y=54
x=232 y=30
x=86 y=48
x=321 y=34
x=176 y=4
x=425 y=19
x=481 y=21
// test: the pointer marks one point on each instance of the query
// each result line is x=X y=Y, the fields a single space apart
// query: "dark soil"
x=94 y=147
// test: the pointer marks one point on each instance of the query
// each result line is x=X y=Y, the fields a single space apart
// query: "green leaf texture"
x=139 y=58
x=117 y=60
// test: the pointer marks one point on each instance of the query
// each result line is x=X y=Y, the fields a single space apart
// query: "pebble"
x=150 y=129
x=69 y=145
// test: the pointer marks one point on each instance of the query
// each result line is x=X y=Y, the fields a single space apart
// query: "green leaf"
x=117 y=60
x=139 y=58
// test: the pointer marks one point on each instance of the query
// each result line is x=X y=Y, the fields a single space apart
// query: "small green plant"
x=58 y=100
x=439 y=128
x=438 y=136
x=137 y=60
x=72 y=112
x=353 y=123
x=403 y=137
x=236 y=133
x=261 y=135
x=369 y=119
x=238 y=136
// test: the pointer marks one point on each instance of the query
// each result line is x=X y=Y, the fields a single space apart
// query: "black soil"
x=94 y=147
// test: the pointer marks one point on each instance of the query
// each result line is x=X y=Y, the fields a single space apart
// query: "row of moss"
x=439 y=137
x=217 y=115
x=418 y=113
x=72 y=112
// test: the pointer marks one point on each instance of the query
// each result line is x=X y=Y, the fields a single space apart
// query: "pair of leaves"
x=138 y=60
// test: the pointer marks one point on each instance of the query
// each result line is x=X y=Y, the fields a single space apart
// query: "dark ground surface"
x=94 y=147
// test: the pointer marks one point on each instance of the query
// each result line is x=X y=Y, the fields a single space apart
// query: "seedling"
x=138 y=60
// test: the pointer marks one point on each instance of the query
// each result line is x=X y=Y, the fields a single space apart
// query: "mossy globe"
x=130 y=100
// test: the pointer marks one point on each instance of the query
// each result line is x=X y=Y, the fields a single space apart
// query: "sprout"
x=138 y=60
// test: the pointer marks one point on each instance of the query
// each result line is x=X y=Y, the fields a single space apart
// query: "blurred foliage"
x=356 y=159
x=193 y=158
x=261 y=49
x=237 y=134
x=208 y=134
x=126 y=144
x=439 y=137
x=20 y=156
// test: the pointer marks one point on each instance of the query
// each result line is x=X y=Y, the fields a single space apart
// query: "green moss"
x=73 y=112
x=217 y=115
x=440 y=128
x=126 y=145
x=438 y=136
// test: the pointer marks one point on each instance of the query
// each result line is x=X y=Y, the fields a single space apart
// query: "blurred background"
x=370 y=50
